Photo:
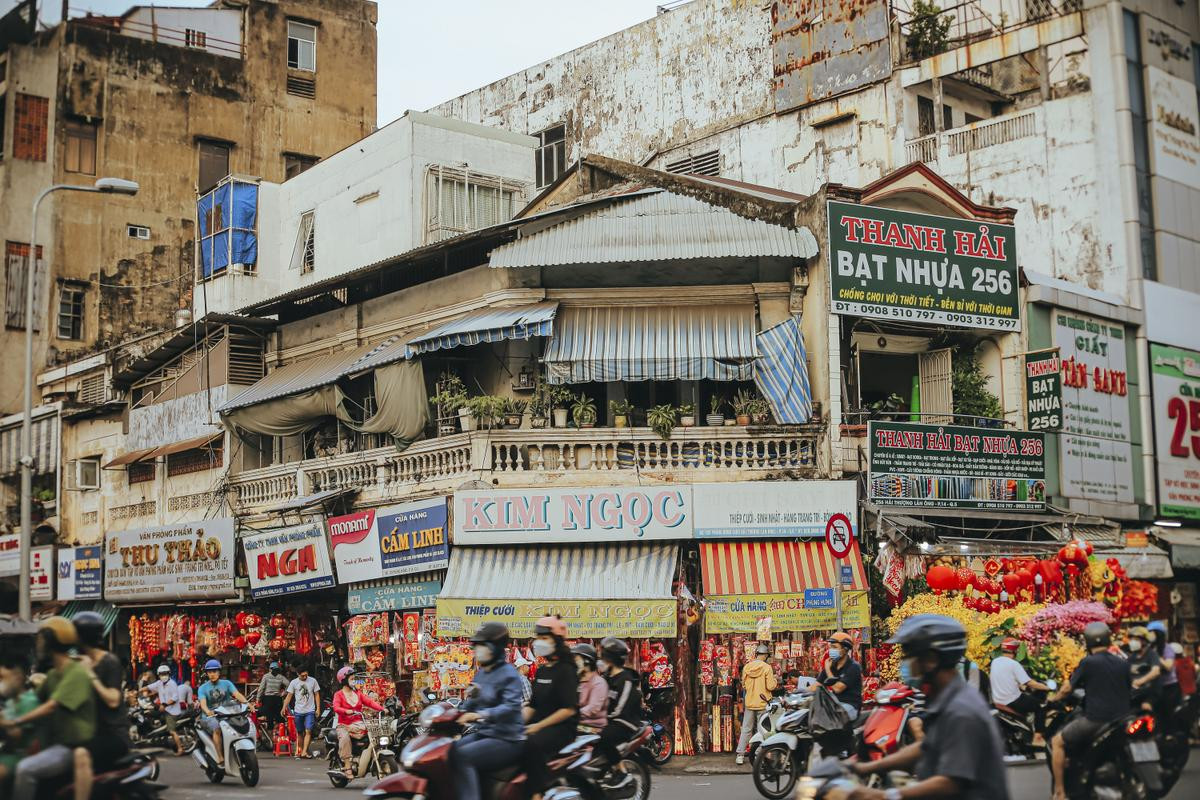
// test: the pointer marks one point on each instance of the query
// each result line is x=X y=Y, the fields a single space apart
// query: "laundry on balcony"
x=660 y=343
x=781 y=372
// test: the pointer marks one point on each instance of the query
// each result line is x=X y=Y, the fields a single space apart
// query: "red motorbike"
x=886 y=729
x=426 y=772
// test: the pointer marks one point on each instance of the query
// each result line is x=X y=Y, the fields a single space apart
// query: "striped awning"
x=775 y=567
x=781 y=372
x=662 y=342
x=107 y=611
x=487 y=325
x=298 y=377
x=44 y=433
x=632 y=571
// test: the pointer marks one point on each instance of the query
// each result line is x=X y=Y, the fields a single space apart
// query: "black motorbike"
x=1172 y=733
x=1018 y=729
x=659 y=705
x=148 y=727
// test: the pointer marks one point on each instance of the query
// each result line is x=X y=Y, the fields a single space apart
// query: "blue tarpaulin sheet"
x=228 y=218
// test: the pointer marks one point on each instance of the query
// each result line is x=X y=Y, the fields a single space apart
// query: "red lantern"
x=254 y=637
x=941 y=578
x=278 y=620
x=252 y=620
x=1012 y=583
x=240 y=619
x=280 y=633
x=277 y=644
x=239 y=643
x=1025 y=576
x=966 y=579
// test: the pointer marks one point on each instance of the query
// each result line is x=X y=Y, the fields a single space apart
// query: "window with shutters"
x=302 y=46
x=70 y=311
x=459 y=200
x=936 y=372
x=31 y=116
x=195 y=38
x=708 y=163
x=93 y=390
x=550 y=158
x=304 y=253
x=16 y=265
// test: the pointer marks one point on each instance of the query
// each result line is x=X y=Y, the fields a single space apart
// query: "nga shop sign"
x=188 y=561
x=287 y=561
x=901 y=265
x=386 y=542
x=955 y=466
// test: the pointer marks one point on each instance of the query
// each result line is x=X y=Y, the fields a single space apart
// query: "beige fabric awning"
x=132 y=457
x=297 y=378
x=186 y=444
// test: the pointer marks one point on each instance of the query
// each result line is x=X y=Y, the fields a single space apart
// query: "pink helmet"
x=551 y=625
x=344 y=673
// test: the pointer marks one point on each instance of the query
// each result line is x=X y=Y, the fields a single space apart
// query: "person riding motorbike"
x=167 y=696
x=553 y=704
x=961 y=754
x=1170 y=694
x=624 y=705
x=213 y=693
x=593 y=689
x=1105 y=677
x=16 y=700
x=348 y=705
x=1145 y=665
x=758 y=682
x=1011 y=684
x=494 y=705
x=842 y=675
x=111 y=741
x=68 y=704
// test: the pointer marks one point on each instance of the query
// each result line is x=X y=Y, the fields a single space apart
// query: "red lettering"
x=267 y=566
x=935 y=240
x=852 y=226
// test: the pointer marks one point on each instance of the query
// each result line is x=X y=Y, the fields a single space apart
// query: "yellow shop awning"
x=599 y=590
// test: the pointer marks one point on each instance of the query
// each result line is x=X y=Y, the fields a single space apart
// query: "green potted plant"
x=741 y=406
x=514 y=412
x=449 y=401
x=583 y=411
x=662 y=419
x=539 y=404
x=620 y=411
x=760 y=411
x=560 y=398
x=487 y=410
x=716 y=408
x=687 y=415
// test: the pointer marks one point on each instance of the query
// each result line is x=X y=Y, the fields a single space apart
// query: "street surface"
x=288 y=778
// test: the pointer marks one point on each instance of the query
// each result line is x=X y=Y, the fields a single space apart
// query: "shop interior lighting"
x=1168 y=523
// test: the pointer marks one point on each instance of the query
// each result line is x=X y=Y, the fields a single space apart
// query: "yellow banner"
x=587 y=619
x=812 y=611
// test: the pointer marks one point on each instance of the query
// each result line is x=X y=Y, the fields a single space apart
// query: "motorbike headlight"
x=384 y=741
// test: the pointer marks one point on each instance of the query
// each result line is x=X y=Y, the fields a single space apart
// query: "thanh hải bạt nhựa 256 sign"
x=901 y=265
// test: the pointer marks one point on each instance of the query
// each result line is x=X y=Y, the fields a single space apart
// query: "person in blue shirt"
x=495 y=707
x=212 y=695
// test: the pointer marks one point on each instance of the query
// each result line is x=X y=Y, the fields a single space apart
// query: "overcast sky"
x=430 y=52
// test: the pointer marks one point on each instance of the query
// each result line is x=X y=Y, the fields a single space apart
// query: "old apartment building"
x=175 y=99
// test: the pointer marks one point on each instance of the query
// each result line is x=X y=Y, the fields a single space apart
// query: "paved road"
x=296 y=780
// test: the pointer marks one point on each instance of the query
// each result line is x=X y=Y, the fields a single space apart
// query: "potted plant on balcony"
x=661 y=419
x=560 y=397
x=486 y=409
x=760 y=411
x=539 y=404
x=716 y=407
x=620 y=411
x=449 y=401
x=741 y=406
x=514 y=411
x=687 y=415
x=583 y=411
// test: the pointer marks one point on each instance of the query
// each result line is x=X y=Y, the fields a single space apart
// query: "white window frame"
x=65 y=288
x=304 y=252
x=297 y=26
x=91 y=465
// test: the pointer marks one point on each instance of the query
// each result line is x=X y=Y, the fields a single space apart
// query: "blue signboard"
x=391 y=541
x=397 y=597
x=847 y=575
x=80 y=572
x=818 y=598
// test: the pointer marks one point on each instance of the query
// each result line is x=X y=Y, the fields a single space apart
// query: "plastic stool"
x=283 y=744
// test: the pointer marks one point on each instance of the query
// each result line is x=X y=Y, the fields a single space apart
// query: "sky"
x=429 y=52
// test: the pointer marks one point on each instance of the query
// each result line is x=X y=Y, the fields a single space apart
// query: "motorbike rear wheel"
x=662 y=748
x=776 y=771
x=640 y=790
x=339 y=780
x=214 y=775
x=248 y=767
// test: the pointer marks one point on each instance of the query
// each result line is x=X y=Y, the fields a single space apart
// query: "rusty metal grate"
x=302 y=87
x=708 y=163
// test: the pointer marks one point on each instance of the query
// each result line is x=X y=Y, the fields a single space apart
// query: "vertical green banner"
x=1043 y=390
x=891 y=264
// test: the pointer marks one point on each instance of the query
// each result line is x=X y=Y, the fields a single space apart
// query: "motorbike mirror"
x=1053 y=684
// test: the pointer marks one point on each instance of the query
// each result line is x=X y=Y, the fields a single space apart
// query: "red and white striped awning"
x=775 y=567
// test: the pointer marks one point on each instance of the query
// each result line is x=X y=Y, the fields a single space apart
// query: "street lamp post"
x=105 y=186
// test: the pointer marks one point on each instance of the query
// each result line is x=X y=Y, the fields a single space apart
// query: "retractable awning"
x=599 y=590
x=132 y=457
x=487 y=325
x=1140 y=563
x=186 y=444
x=1184 y=543
x=662 y=342
x=781 y=372
x=297 y=377
x=793 y=583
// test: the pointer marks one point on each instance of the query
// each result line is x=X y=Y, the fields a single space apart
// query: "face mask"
x=834 y=654
x=602 y=666
x=483 y=654
x=274 y=671
x=542 y=648
x=1135 y=646
x=906 y=676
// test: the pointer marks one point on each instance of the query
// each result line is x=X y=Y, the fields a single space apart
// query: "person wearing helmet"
x=1104 y=676
x=304 y=697
x=348 y=705
x=962 y=754
x=111 y=742
x=17 y=698
x=1011 y=684
x=553 y=704
x=494 y=705
x=758 y=682
x=593 y=689
x=271 y=689
x=842 y=675
x=1144 y=664
x=68 y=706
x=214 y=693
x=166 y=692
x=1169 y=692
x=624 y=706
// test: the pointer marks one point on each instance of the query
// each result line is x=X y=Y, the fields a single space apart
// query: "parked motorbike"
x=783 y=757
x=886 y=728
x=148 y=727
x=238 y=739
x=777 y=706
x=1120 y=763
x=659 y=705
x=371 y=754
x=1018 y=729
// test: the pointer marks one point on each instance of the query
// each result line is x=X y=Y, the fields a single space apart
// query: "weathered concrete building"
x=176 y=100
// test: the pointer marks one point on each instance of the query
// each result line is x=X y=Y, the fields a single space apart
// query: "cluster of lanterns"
x=249 y=635
x=1008 y=581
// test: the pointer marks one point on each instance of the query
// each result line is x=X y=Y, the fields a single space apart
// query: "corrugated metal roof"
x=1141 y=563
x=297 y=377
x=654 y=227
x=488 y=325
x=570 y=572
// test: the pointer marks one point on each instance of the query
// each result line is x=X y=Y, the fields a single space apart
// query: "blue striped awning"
x=781 y=372
x=487 y=325
x=659 y=343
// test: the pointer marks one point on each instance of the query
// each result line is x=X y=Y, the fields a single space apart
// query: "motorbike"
x=886 y=728
x=131 y=778
x=831 y=778
x=1120 y=763
x=148 y=728
x=1018 y=729
x=783 y=757
x=238 y=739
x=1172 y=735
x=659 y=704
x=777 y=706
x=425 y=771
x=370 y=754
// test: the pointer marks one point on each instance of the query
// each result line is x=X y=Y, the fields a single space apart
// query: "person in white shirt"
x=168 y=701
x=1011 y=684
x=304 y=696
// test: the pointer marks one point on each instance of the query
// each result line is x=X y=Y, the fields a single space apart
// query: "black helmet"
x=90 y=627
x=586 y=652
x=932 y=633
x=1096 y=634
x=614 y=650
x=493 y=633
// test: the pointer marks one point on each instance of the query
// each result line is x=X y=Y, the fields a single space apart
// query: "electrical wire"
x=176 y=279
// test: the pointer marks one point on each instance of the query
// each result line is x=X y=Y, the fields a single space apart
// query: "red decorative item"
x=280 y=633
x=991 y=567
x=277 y=644
x=240 y=619
x=253 y=637
x=253 y=620
x=278 y=620
x=966 y=579
x=1012 y=583
x=239 y=643
x=1025 y=577
x=941 y=578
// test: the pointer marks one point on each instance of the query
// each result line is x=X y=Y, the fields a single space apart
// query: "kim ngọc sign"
x=901 y=265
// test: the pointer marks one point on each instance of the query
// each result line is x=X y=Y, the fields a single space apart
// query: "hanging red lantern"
x=941 y=578
x=252 y=620
x=278 y=620
x=1025 y=577
x=239 y=643
x=966 y=579
x=277 y=644
x=280 y=633
x=1012 y=583
x=240 y=619
x=254 y=637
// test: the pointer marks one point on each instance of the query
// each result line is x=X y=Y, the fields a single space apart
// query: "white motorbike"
x=238 y=740
x=768 y=722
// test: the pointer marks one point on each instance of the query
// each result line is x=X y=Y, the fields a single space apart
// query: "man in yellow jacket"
x=758 y=682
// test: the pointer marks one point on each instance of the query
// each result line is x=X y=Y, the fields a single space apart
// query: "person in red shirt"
x=1185 y=669
x=348 y=705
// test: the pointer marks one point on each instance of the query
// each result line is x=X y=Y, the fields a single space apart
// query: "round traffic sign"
x=839 y=533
